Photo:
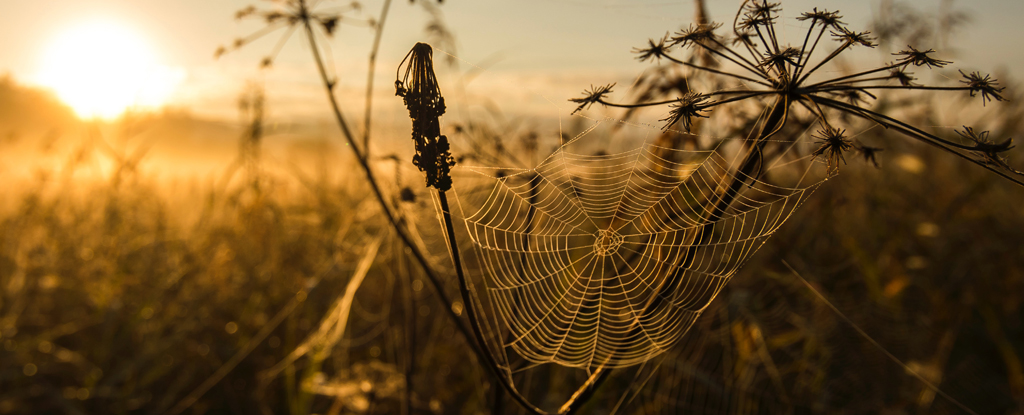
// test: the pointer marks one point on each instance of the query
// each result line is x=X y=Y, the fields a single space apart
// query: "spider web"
x=607 y=260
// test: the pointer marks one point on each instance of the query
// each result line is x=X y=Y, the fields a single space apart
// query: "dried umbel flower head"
x=290 y=15
x=591 y=97
x=685 y=108
x=867 y=152
x=990 y=152
x=699 y=34
x=762 y=12
x=780 y=76
x=779 y=59
x=655 y=50
x=901 y=75
x=744 y=37
x=823 y=17
x=853 y=38
x=987 y=86
x=920 y=58
x=833 y=145
x=418 y=88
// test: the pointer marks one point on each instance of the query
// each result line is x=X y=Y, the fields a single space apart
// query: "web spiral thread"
x=599 y=260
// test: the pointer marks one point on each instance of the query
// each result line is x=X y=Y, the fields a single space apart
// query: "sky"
x=522 y=57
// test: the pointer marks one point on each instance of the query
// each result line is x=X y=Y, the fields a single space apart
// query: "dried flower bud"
x=423 y=98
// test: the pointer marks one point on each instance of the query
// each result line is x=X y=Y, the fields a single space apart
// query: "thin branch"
x=913 y=132
x=397 y=224
x=726 y=57
x=859 y=74
x=715 y=71
x=826 y=60
x=829 y=88
x=738 y=55
x=800 y=68
x=746 y=94
x=851 y=81
x=803 y=47
x=369 y=76
x=470 y=308
x=771 y=34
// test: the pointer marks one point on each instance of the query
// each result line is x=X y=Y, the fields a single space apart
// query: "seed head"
x=919 y=58
x=744 y=36
x=833 y=145
x=853 y=38
x=274 y=16
x=854 y=96
x=245 y=12
x=653 y=50
x=788 y=54
x=900 y=74
x=286 y=13
x=868 y=153
x=824 y=17
x=698 y=34
x=987 y=86
x=763 y=9
x=594 y=95
x=751 y=22
x=686 y=107
x=422 y=97
x=985 y=147
x=329 y=24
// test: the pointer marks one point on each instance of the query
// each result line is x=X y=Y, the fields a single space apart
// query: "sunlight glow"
x=102 y=69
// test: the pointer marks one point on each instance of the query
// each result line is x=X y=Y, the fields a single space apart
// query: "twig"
x=398 y=225
x=369 y=76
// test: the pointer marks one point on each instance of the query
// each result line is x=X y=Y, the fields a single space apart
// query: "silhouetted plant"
x=783 y=73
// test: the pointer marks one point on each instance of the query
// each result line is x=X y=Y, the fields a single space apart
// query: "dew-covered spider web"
x=606 y=260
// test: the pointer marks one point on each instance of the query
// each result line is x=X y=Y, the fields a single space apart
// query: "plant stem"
x=396 y=224
x=912 y=132
x=828 y=58
x=859 y=74
x=370 y=74
x=803 y=63
x=715 y=71
x=469 y=307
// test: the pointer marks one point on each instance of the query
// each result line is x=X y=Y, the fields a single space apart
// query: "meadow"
x=302 y=273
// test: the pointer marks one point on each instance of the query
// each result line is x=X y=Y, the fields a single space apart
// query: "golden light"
x=102 y=69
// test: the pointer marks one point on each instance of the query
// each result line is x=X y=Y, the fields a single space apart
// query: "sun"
x=101 y=69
